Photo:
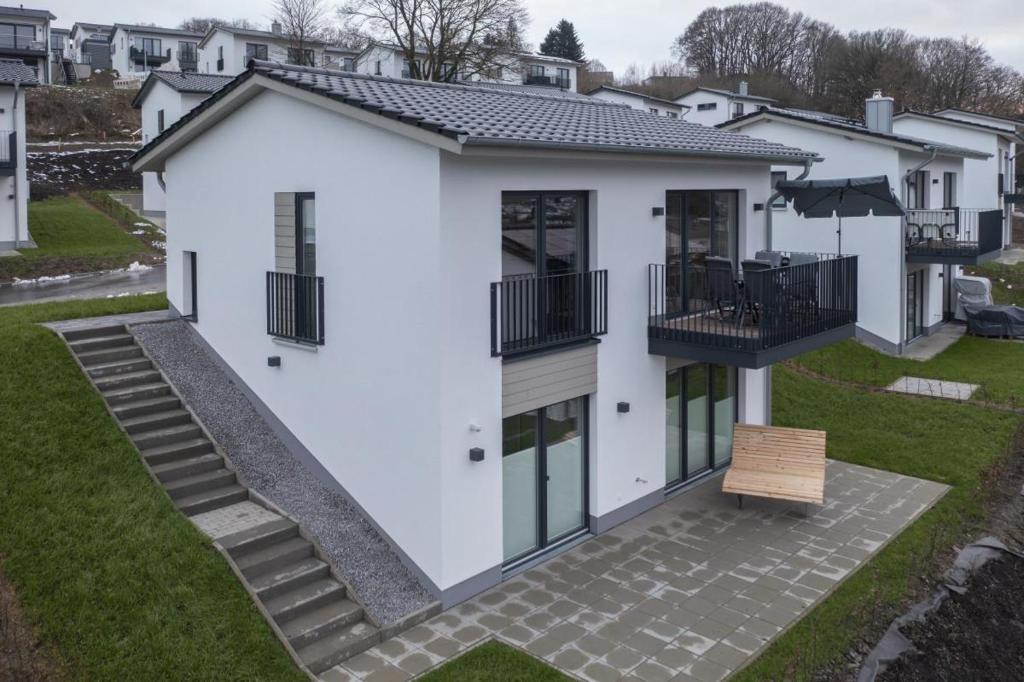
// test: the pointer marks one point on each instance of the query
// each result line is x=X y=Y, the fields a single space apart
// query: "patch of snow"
x=138 y=232
x=136 y=266
x=160 y=245
x=140 y=225
x=39 y=280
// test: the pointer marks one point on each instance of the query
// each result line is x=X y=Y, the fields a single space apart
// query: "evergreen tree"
x=562 y=41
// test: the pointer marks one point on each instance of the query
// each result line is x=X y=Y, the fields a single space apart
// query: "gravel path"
x=384 y=585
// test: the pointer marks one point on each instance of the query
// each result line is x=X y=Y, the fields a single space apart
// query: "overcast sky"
x=619 y=32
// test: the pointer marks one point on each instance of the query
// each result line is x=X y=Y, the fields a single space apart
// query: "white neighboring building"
x=137 y=50
x=711 y=106
x=165 y=97
x=640 y=101
x=226 y=50
x=25 y=37
x=337 y=300
x=90 y=44
x=902 y=286
x=14 y=188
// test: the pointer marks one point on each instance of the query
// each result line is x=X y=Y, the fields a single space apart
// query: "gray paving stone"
x=595 y=645
x=708 y=671
x=623 y=659
x=650 y=671
x=571 y=659
x=600 y=672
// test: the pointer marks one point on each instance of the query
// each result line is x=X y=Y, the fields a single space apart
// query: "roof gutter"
x=768 y=206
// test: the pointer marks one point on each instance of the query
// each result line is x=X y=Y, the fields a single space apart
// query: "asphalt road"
x=100 y=285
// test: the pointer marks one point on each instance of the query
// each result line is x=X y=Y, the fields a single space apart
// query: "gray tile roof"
x=727 y=93
x=12 y=70
x=494 y=117
x=1005 y=132
x=182 y=81
x=157 y=30
x=544 y=90
x=649 y=98
x=26 y=12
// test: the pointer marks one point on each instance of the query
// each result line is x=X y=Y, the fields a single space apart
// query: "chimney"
x=878 y=113
x=744 y=88
x=275 y=28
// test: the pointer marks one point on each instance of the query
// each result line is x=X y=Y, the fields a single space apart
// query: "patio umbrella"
x=842 y=197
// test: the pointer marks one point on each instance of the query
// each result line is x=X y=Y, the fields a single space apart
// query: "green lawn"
x=938 y=440
x=116 y=582
x=494 y=662
x=1007 y=281
x=73 y=236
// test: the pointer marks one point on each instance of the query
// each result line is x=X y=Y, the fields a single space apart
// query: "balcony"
x=188 y=61
x=150 y=57
x=553 y=81
x=953 y=236
x=531 y=313
x=767 y=315
x=295 y=307
x=8 y=152
x=22 y=46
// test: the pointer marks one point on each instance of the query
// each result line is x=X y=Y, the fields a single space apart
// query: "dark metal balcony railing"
x=149 y=56
x=11 y=42
x=554 y=81
x=295 y=307
x=953 y=235
x=530 y=313
x=738 y=316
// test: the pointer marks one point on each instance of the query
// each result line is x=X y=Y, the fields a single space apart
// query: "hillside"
x=82 y=112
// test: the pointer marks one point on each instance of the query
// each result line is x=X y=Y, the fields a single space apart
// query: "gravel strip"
x=384 y=585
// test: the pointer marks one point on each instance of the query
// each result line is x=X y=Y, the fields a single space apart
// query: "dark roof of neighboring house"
x=544 y=90
x=859 y=128
x=649 y=98
x=155 y=29
x=1018 y=121
x=253 y=33
x=24 y=12
x=182 y=81
x=15 y=70
x=54 y=29
x=92 y=28
x=490 y=117
x=727 y=93
x=958 y=121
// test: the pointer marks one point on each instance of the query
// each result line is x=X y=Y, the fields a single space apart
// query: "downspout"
x=903 y=256
x=17 y=169
x=773 y=197
x=160 y=180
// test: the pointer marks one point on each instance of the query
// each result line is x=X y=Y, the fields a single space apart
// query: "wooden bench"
x=776 y=462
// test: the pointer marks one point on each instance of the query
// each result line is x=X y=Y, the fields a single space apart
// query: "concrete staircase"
x=309 y=607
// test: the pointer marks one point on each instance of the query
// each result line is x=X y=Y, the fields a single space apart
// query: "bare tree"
x=203 y=24
x=303 y=22
x=444 y=39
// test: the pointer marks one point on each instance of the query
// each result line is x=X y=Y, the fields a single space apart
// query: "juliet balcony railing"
x=756 y=316
x=295 y=307
x=954 y=236
x=531 y=313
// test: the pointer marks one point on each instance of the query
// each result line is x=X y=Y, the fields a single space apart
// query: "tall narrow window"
x=737 y=109
x=948 y=190
x=305 y=233
x=779 y=203
x=160 y=121
x=191 y=286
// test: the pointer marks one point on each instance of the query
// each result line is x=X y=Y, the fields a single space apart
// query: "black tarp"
x=995 y=320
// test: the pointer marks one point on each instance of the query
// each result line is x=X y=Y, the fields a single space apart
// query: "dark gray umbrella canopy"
x=842 y=197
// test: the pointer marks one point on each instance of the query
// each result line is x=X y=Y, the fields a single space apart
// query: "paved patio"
x=690 y=590
x=951 y=390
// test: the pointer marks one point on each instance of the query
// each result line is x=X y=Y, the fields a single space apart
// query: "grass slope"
x=111 y=575
x=495 y=662
x=1007 y=281
x=938 y=440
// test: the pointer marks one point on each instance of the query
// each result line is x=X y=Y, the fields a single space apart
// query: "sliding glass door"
x=544 y=477
x=698 y=224
x=915 y=304
x=700 y=409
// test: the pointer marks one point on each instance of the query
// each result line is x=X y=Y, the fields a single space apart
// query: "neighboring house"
x=383 y=59
x=60 y=52
x=498 y=284
x=137 y=50
x=987 y=181
x=340 y=58
x=710 y=106
x=907 y=265
x=25 y=37
x=227 y=50
x=165 y=97
x=639 y=101
x=90 y=44
x=14 y=188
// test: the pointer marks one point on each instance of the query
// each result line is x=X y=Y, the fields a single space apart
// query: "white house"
x=534 y=419
x=906 y=266
x=383 y=59
x=137 y=50
x=25 y=37
x=14 y=75
x=640 y=101
x=985 y=181
x=711 y=106
x=165 y=97
x=226 y=50
x=90 y=44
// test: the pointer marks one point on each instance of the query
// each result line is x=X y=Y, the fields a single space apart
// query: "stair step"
x=200 y=483
x=305 y=598
x=93 y=332
x=98 y=357
x=116 y=381
x=338 y=646
x=276 y=583
x=105 y=369
x=275 y=557
x=156 y=420
x=264 y=535
x=134 y=393
x=212 y=499
x=146 y=406
x=102 y=342
x=176 y=452
x=166 y=436
x=183 y=468
x=321 y=621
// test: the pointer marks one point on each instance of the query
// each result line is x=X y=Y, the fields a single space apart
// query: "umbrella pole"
x=842 y=197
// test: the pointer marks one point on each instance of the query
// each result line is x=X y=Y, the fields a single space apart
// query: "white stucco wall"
x=122 y=40
x=235 y=56
x=14 y=189
x=174 y=105
x=637 y=102
x=708 y=118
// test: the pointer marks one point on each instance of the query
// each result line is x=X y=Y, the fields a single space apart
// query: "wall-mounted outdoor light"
x=476 y=454
x=657 y=211
x=758 y=207
x=622 y=407
x=274 y=361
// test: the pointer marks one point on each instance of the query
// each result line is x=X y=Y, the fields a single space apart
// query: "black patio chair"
x=723 y=291
x=755 y=286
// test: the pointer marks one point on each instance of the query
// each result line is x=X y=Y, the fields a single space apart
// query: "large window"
x=915 y=304
x=255 y=51
x=148 y=46
x=779 y=203
x=737 y=109
x=302 y=57
x=698 y=224
x=707 y=106
x=917 y=190
x=700 y=409
x=17 y=36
